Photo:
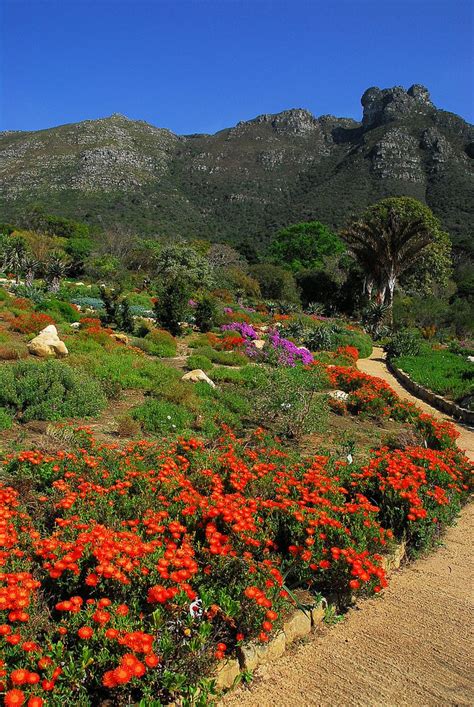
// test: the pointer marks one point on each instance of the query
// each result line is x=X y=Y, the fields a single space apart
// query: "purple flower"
x=244 y=329
x=228 y=310
x=288 y=354
x=192 y=303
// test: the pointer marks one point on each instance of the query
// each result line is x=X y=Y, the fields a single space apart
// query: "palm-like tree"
x=29 y=267
x=386 y=243
x=13 y=256
x=54 y=272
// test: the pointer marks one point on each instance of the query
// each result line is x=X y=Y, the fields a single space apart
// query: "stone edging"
x=298 y=625
x=437 y=401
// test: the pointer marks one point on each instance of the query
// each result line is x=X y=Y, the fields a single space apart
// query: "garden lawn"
x=442 y=371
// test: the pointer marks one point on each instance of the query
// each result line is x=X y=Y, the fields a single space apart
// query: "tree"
x=276 y=283
x=55 y=270
x=172 y=305
x=14 y=253
x=304 y=246
x=398 y=238
x=181 y=261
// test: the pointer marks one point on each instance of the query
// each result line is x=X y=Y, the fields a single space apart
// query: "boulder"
x=340 y=395
x=48 y=343
x=196 y=376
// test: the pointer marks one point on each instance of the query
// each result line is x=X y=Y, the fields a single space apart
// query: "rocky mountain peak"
x=384 y=105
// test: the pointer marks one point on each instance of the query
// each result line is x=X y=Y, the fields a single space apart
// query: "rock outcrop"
x=47 y=344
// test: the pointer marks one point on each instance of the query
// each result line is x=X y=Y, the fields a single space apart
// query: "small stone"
x=259 y=344
x=75 y=325
x=254 y=654
x=227 y=671
x=297 y=626
x=318 y=613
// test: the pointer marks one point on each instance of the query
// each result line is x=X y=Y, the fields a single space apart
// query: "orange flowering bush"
x=126 y=573
x=30 y=322
x=374 y=397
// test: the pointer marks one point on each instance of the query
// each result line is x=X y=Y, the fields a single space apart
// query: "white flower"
x=168 y=417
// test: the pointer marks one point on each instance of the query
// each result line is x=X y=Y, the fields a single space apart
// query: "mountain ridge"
x=247 y=180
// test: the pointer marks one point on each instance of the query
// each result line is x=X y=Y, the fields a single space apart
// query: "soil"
x=410 y=646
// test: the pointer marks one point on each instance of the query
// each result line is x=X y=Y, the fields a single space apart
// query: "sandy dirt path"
x=412 y=647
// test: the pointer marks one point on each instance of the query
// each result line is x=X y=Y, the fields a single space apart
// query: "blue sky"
x=201 y=65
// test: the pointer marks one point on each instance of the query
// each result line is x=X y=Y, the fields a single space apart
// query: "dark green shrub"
x=172 y=306
x=48 y=391
x=206 y=313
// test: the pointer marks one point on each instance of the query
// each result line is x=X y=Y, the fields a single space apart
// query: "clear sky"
x=201 y=65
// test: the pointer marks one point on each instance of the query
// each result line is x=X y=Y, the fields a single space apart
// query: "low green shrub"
x=48 y=390
x=199 y=361
x=157 y=343
x=223 y=358
x=404 y=343
x=162 y=416
x=206 y=313
x=6 y=419
x=58 y=310
x=288 y=401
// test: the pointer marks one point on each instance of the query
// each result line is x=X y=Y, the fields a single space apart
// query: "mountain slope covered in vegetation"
x=247 y=181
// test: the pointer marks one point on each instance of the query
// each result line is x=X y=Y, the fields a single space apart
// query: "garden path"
x=375 y=366
x=410 y=646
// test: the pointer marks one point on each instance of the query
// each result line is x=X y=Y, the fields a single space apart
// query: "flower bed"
x=127 y=574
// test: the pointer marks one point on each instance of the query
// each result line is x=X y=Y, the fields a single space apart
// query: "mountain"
x=248 y=180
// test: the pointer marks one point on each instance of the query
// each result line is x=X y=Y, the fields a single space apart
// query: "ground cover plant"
x=442 y=371
x=140 y=568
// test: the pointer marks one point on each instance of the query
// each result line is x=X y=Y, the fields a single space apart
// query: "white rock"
x=196 y=376
x=48 y=343
x=259 y=344
x=471 y=359
x=75 y=325
x=339 y=395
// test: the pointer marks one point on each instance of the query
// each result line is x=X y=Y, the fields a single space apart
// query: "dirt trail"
x=375 y=366
x=412 y=646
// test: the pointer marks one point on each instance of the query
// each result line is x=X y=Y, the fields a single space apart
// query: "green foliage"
x=182 y=262
x=275 y=283
x=6 y=420
x=399 y=240
x=206 y=313
x=158 y=343
x=48 y=391
x=287 y=401
x=404 y=343
x=58 y=309
x=305 y=245
x=172 y=306
x=223 y=358
x=442 y=371
x=162 y=416
x=199 y=361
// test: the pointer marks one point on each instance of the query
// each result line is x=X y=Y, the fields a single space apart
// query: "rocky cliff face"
x=248 y=180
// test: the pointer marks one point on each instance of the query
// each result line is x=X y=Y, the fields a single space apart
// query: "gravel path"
x=412 y=646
